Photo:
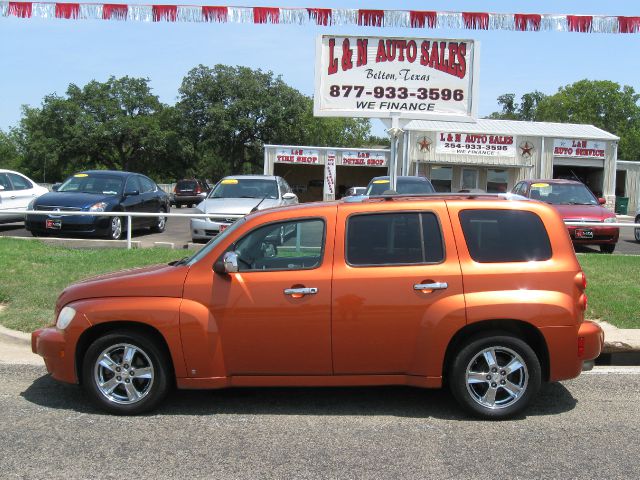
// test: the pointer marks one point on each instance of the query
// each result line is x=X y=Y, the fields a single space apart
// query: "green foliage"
x=601 y=103
x=9 y=157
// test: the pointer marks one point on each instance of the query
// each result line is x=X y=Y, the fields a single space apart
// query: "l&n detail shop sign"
x=383 y=77
x=297 y=155
x=578 y=148
x=363 y=159
x=485 y=145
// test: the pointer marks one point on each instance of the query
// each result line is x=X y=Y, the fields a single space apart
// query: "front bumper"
x=206 y=229
x=77 y=224
x=601 y=234
x=50 y=343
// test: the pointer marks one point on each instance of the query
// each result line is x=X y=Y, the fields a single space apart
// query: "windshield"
x=92 y=183
x=214 y=242
x=563 y=194
x=245 y=188
x=404 y=185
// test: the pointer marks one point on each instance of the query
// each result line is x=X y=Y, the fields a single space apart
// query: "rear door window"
x=19 y=182
x=496 y=236
x=399 y=238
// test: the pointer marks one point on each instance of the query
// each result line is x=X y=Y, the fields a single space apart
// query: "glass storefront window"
x=441 y=178
x=469 y=178
x=497 y=180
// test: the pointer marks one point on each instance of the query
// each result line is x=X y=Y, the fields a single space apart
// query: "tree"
x=230 y=113
x=9 y=156
x=601 y=103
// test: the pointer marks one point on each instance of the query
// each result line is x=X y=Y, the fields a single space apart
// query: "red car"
x=576 y=203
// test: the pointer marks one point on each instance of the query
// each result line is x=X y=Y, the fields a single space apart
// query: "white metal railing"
x=129 y=215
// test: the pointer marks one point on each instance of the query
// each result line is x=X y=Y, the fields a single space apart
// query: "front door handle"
x=430 y=286
x=299 y=292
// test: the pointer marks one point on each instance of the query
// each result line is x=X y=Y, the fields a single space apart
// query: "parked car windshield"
x=403 y=185
x=91 y=183
x=563 y=194
x=245 y=188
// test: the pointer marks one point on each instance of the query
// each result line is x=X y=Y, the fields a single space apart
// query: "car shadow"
x=396 y=401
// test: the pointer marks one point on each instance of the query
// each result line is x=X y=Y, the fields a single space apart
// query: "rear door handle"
x=299 y=292
x=430 y=286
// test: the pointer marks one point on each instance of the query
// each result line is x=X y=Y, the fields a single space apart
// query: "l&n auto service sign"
x=419 y=78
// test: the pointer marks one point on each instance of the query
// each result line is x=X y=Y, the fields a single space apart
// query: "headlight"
x=64 y=317
x=98 y=207
x=610 y=220
x=31 y=203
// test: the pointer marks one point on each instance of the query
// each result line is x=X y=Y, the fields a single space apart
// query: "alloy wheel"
x=116 y=228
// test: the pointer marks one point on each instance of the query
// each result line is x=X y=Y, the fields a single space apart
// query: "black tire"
x=636 y=231
x=116 y=228
x=608 y=247
x=485 y=383
x=39 y=233
x=161 y=223
x=151 y=390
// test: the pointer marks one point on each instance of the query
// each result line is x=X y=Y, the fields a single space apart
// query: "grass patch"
x=33 y=274
x=613 y=288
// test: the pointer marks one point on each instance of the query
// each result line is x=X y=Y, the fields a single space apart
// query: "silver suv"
x=236 y=196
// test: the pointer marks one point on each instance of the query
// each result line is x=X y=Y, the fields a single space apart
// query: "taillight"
x=175 y=189
x=580 y=346
x=581 y=281
x=198 y=190
x=582 y=301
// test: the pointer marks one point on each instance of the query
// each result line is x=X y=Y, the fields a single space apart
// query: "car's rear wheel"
x=115 y=228
x=125 y=373
x=608 y=248
x=161 y=223
x=495 y=376
x=636 y=231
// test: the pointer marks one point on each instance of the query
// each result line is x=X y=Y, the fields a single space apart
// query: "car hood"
x=153 y=281
x=238 y=206
x=591 y=212
x=70 y=199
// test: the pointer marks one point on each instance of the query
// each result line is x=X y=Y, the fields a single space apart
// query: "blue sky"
x=40 y=57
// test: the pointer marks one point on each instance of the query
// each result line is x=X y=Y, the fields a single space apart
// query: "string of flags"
x=418 y=19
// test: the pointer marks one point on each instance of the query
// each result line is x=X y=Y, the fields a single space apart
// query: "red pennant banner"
x=266 y=15
x=371 y=18
x=20 y=9
x=476 y=21
x=527 y=22
x=629 y=24
x=579 y=23
x=114 y=11
x=168 y=13
x=215 y=14
x=67 y=10
x=420 y=19
x=322 y=16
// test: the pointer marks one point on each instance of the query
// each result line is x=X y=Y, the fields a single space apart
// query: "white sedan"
x=16 y=192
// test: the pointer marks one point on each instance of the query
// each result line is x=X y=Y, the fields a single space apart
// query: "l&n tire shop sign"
x=383 y=77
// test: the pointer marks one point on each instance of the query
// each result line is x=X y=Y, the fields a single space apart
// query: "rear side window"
x=393 y=239
x=496 y=236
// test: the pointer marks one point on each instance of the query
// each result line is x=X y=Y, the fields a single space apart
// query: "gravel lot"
x=587 y=428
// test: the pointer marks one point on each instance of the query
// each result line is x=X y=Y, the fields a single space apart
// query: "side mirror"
x=289 y=196
x=228 y=264
x=601 y=201
x=131 y=193
x=55 y=187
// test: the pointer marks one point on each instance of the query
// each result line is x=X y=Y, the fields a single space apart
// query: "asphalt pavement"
x=177 y=235
x=587 y=428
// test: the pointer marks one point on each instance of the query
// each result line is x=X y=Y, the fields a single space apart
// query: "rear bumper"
x=590 y=340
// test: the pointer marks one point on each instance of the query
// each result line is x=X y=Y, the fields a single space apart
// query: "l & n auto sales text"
x=448 y=57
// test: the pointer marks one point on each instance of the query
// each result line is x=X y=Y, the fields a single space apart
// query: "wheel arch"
x=98 y=330
x=518 y=328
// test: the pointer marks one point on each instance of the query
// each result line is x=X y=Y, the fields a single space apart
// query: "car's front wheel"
x=115 y=228
x=125 y=373
x=495 y=376
x=636 y=231
x=607 y=247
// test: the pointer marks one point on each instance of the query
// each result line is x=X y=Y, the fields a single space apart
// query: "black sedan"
x=98 y=191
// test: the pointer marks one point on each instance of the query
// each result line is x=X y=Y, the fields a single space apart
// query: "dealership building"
x=487 y=155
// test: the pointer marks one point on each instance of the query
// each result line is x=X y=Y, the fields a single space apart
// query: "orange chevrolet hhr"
x=481 y=292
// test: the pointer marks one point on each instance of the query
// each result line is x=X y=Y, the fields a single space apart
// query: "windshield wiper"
x=177 y=263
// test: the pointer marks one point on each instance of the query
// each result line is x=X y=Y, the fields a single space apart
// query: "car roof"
x=402 y=177
x=252 y=177
x=116 y=173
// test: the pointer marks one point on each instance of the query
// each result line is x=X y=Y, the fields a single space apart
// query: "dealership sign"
x=297 y=155
x=475 y=144
x=385 y=77
x=578 y=148
x=364 y=159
